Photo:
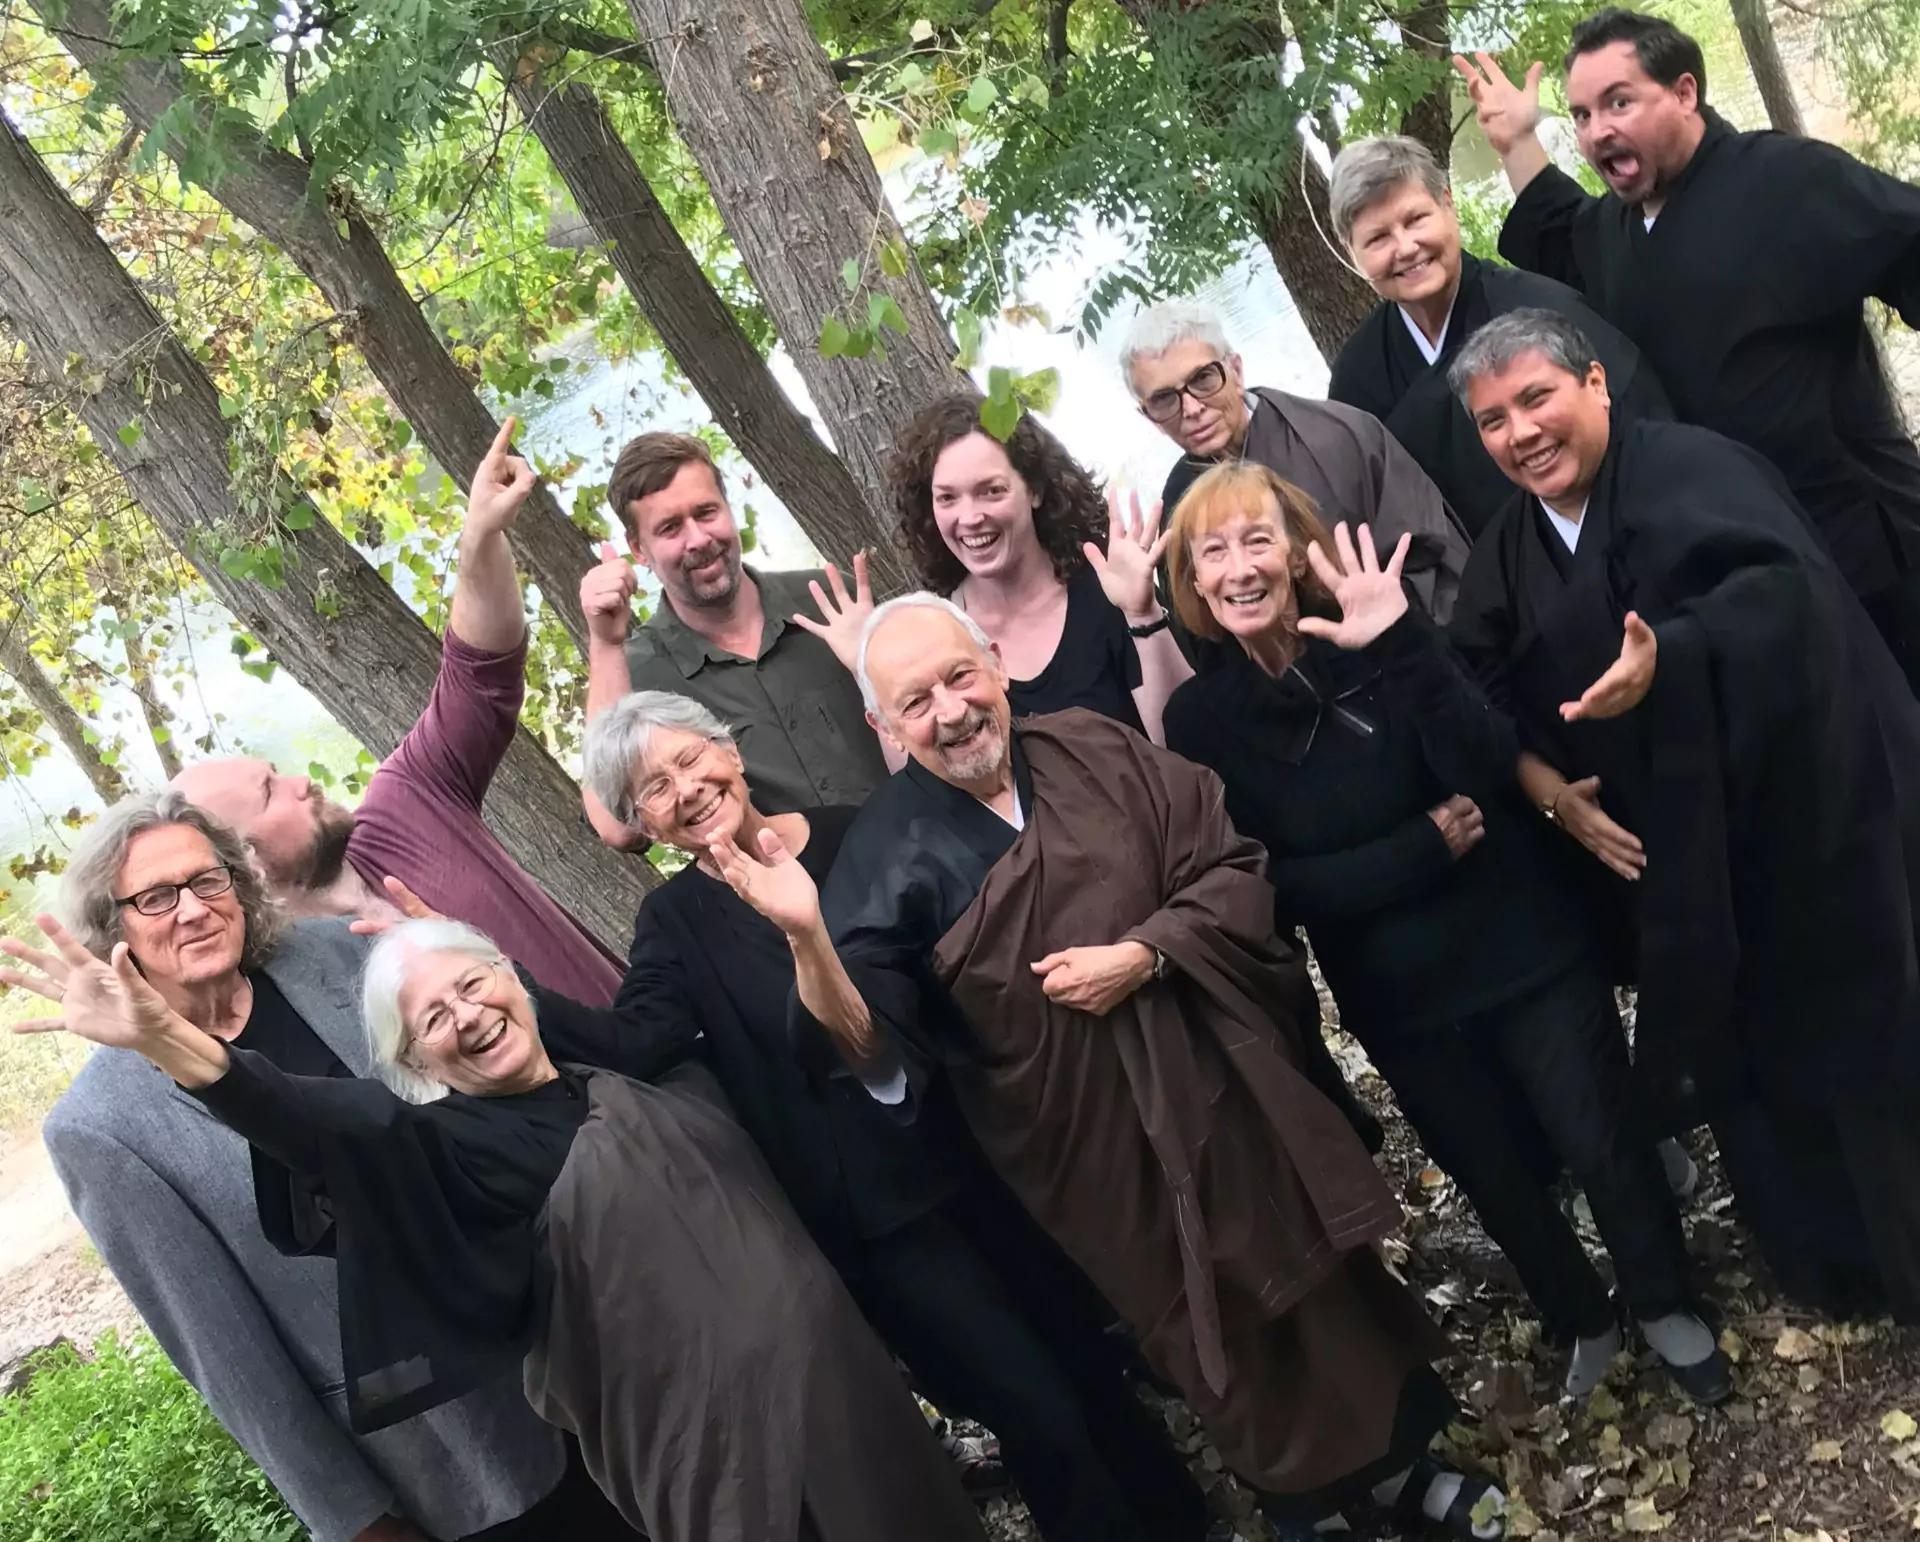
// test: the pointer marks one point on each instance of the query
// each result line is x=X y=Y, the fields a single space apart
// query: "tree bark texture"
x=753 y=96
x=373 y=664
x=17 y=660
x=701 y=333
x=1426 y=31
x=268 y=189
x=1769 y=71
x=159 y=728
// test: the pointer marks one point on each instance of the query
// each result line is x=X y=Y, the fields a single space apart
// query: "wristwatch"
x=1147 y=628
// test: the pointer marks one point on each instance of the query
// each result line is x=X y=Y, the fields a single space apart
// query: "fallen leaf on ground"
x=1643 y=1515
x=1899 y=1425
x=1796 y=1345
x=1825 y=1451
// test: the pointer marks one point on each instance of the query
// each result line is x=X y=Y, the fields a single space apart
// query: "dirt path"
x=51 y=1281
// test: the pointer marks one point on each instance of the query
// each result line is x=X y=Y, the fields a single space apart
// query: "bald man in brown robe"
x=1141 y=1096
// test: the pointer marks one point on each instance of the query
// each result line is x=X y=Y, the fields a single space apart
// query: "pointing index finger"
x=503 y=439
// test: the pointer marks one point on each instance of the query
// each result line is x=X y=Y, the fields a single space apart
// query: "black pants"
x=575 y=1510
x=998 y=1325
x=1553 y=1060
x=1895 y=612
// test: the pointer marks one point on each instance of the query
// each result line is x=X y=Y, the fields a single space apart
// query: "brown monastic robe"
x=1173 y=1147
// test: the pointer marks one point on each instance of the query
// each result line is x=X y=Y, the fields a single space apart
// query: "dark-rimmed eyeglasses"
x=1202 y=385
x=159 y=898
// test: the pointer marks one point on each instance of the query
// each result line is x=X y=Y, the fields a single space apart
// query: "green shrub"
x=120 y=1447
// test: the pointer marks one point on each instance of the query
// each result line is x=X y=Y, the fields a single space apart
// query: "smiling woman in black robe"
x=1670 y=638
x=624 y=1239
x=1393 y=209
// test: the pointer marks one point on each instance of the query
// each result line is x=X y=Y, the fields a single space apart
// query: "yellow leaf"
x=1824 y=1451
x=1899 y=1425
x=1795 y=1345
x=1641 y=1515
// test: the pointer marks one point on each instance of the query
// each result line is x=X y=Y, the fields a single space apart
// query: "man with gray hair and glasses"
x=1393 y=211
x=1189 y=384
x=1704 y=705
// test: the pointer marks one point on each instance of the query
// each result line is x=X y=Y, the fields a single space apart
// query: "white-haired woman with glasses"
x=170 y=1198
x=620 y=1243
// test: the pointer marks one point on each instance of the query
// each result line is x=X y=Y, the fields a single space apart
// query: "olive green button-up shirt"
x=794 y=712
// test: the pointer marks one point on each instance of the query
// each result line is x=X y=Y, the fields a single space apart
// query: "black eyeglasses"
x=1203 y=384
x=162 y=897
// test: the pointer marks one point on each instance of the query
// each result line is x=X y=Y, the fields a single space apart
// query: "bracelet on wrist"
x=1158 y=623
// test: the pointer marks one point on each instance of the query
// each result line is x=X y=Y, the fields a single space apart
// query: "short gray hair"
x=924 y=599
x=617 y=740
x=386 y=974
x=87 y=900
x=1167 y=325
x=1505 y=338
x=1368 y=170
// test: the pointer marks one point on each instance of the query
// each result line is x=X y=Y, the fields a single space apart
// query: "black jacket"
x=1333 y=767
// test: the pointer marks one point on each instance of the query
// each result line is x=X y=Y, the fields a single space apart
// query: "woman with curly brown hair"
x=1017 y=536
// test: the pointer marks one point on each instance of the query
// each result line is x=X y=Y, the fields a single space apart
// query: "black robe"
x=628 y=1243
x=1746 y=299
x=1770 y=771
x=1173 y=1148
x=1382 y=371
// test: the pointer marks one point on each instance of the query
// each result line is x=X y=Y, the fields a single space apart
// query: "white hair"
x=924 y=599
x=617 y=741
x=1368 y=170
x=1167 y=325
x=392 y=958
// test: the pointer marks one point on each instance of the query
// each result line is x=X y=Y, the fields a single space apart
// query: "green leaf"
x=230 y=406
x=1000 y=382
x=834 y=338
x=319 y=773
x=1033 y=89
x=403 y=430
x=1000 y=416
x=344 y=230
x=982 y=94
x=884 y=311
x=967 y=324
x=131 y=433
x=909 y=77
x=236 y=562
x=298 y=516
x=940 y=140
x=1039 y=390
x=850 y=274
x=894 y=258
x=859 y=343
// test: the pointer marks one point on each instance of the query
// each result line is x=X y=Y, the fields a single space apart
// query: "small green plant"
x=121 y=1446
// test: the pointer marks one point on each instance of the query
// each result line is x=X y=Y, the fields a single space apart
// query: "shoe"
x=1683 y=1173
x=1708 y=1382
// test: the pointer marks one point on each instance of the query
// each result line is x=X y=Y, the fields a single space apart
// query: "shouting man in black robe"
x=1739 y=263
x=1710 y=713
x=1059 y=920
x=1392 y=208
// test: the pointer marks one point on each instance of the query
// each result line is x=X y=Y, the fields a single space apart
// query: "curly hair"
x=1068 y=509
x=86 y=890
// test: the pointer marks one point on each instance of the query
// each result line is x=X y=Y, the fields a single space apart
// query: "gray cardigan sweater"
x=166 y=1193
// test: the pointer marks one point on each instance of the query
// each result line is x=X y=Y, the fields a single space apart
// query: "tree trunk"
x=1425 y=29
x=342 y=633
x=1332 y=299
x=159 y=729
x=268 y=189
x=55 y=710
x=1769 y=72
x=753 y=96
x=698 y=329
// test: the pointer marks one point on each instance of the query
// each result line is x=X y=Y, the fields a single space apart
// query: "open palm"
x=1135 y=543
x=1371 y=598
x=106 y=1002
x=771 y=881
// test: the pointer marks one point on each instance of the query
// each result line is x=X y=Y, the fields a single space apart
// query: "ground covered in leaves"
x=1819 y=1444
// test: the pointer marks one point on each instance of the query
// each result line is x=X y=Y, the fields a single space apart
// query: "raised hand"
x=1094 y=980
x=409 y=905
x=1370 y=597
x=606 y=596
x=106 y=1002
x=1461 y=824
x=501 y=484
x=841 y=617
x=1626 y=681
x=1577 y=808
x=1507 y=113
x=771 y=881
x=1125 y=569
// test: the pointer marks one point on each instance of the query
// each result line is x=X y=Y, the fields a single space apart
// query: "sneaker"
x=1708 y=1382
